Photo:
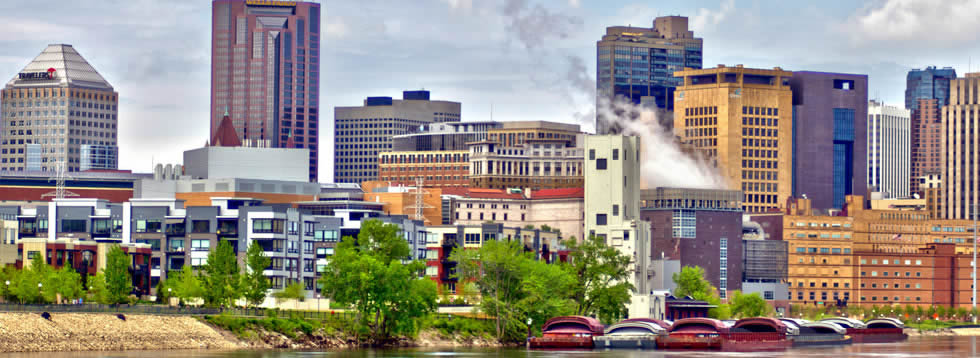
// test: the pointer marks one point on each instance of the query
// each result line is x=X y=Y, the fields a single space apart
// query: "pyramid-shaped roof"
x=70 y=69
x=226 y=136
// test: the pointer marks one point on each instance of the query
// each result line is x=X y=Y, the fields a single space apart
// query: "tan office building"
x=959 y=140
x=741 y=119
x=528 y=154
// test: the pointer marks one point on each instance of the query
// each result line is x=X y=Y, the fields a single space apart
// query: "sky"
x=503 y=59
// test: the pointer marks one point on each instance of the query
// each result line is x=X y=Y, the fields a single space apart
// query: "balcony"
x=292 y=251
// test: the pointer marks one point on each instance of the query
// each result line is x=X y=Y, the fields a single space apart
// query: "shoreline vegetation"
x=75 y=332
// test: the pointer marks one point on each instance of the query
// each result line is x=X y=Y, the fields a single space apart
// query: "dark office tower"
x=265 y=64
x=639 y=63
x=930 y=83
x=830 y=136
x=926 y=92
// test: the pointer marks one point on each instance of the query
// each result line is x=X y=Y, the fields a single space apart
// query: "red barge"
x=567 y=332
x=694 y=333
x=755 y=335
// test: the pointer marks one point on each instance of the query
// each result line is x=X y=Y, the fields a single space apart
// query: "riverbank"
x=76 y=332
x=30 y=332
x=948 y=331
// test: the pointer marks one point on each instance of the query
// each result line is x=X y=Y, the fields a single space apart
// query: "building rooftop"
x=477 y=193
x=59 y=65
x=561 y=193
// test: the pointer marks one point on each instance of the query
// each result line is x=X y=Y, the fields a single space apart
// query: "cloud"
x=926 y=23
x=707 y=19
x=532 y=25
x=463 y=5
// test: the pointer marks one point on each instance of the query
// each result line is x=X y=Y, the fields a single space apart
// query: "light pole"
x=529 y=321
x=974 y=261
x=40 y=294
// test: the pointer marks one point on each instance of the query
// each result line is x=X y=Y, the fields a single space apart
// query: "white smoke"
x=665 y=164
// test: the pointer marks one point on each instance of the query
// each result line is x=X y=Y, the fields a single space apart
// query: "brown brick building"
x=435 y=168
x=534 y=154
x=925 y=141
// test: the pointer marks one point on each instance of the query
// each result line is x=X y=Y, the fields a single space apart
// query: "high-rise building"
x=740 y=118
x=925 y=141
x=638 y=63
x=265 y=66
x=888 y=150
x=436 y=153
x=829 y=140
x=926 y=92
x=930 y=83
x=959 y=141
x=364 y=131
x=54 y=106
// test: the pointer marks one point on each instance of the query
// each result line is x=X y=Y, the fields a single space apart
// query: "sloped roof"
x=560 y=193
x=70 y=69
x=225 y=136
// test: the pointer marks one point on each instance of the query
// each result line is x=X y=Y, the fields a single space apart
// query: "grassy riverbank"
x=340 y=331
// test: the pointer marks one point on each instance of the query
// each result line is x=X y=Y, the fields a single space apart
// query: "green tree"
x=749 y=305
x=8 y=276
x=27 y=287
x=603 y=287
x=97 y=288
x=118 y=281
x=369 y=274
x=293 y=291
x=187 y=286
x=220 y=276
x=65 y=282
x=514 y=286
x=255 y=285
x=546 y=228
x=691 y=282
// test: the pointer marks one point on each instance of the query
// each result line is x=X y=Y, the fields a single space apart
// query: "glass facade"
x=930 y=83
x=843 y=154
x=265 y=73
x=685 y=224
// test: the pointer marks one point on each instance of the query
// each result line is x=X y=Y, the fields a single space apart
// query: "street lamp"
x=39 y=293
x=529 y=321
x=974 y=260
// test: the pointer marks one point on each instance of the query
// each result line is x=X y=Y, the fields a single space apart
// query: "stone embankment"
x=29 y=332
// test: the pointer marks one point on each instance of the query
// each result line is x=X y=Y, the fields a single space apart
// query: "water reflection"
x=915 y=347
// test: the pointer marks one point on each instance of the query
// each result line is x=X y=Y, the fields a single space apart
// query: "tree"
x=691 y=282
x=220 y=276
x=118 y=281
x=8 y=276
x=187 y=285
x=514 y=286
x=26 y=288
x=66 y=283
x=603 y=287
x=369 y=274
x=546 y=228
x=749 y=305
x=97 y=288
x=293 y=291
x=254 y=283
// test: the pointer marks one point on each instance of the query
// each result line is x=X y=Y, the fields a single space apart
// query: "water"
x=915 y=347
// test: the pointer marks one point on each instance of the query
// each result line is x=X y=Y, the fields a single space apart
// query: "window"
x=200 y=245
x=768 y=295
x=177 y=245
x=268 y=226
x=148 y=226
x=615 y=210
x=72 y=225
x=201 y=226
x=600 y=219
x=600 y=164
x=471 y=239
x=591 y=154
x=615 y=155
x=198 y=261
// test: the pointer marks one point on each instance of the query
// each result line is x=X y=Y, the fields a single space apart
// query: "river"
x=947 y=346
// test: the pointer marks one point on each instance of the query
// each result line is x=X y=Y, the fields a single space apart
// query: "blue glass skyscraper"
x=930 y=83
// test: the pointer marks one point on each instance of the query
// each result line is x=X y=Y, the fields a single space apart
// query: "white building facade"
x=889 y=163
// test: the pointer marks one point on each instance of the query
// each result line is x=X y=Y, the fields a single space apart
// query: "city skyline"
x=157 y=54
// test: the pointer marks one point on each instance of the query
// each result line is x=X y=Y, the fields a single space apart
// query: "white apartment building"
x=889 y=163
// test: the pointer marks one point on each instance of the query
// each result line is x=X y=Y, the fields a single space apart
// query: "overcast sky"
x=527 y=59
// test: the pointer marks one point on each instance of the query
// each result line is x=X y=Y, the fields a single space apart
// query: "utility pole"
x=974 y=262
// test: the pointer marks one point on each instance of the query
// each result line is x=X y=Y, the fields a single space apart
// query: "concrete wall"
x=286 y=164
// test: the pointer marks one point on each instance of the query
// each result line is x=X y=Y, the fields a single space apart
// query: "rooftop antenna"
x=419 y=207
x=59 y=179
x=491 y=111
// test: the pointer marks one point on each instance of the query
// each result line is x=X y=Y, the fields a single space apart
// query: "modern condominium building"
x=888 y=150
x=741 y=119
x=265 y=65
x=58 y=109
